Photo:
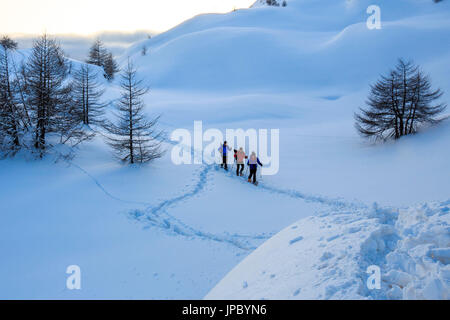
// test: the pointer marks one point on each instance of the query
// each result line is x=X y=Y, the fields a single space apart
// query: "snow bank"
x=326 y=257
x=419 y=267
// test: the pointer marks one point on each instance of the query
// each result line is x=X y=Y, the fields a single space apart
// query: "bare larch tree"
x=133 y=138
x=110 y=67
x=50 y=96
x=399 y=104
x=87 y=93
x=9 y=114
x=97 y=54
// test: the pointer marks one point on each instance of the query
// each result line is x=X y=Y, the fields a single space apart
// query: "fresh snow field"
x=337 y=205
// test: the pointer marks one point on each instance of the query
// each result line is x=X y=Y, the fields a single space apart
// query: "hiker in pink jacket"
x=240 y=160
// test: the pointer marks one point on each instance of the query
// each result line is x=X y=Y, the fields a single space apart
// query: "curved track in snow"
x=157 y=216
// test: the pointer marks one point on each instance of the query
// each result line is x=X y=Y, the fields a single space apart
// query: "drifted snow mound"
x=326 y=257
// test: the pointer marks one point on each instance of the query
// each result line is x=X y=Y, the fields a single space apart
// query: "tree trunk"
x=131 y=123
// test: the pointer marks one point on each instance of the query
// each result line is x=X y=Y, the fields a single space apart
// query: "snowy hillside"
x=187 y=232
x=306 y=69
x=272 y=48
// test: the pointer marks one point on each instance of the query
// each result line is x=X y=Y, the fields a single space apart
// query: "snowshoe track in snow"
x=335 y=203
x=157 y=216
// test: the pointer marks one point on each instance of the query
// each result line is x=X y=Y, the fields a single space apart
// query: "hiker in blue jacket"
x=223 y=149
x=253 y=165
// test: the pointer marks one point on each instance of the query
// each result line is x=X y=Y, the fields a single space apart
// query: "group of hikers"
x=239 y=160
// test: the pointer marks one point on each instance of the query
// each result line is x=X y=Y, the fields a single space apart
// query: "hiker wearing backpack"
x=253 y=164
x=223 y=149
x=240 y=158
x=235 y=158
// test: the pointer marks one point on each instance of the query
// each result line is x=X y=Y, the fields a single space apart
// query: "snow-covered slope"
x=301 y=47
x=306 y=69
x=327 y=256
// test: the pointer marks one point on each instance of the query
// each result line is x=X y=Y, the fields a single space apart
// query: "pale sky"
x=84 y=17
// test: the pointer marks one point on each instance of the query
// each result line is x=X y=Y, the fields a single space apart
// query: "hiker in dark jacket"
x=253 y=165
x=223 y=149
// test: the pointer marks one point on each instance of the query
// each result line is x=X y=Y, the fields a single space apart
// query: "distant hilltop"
x=275 y=3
